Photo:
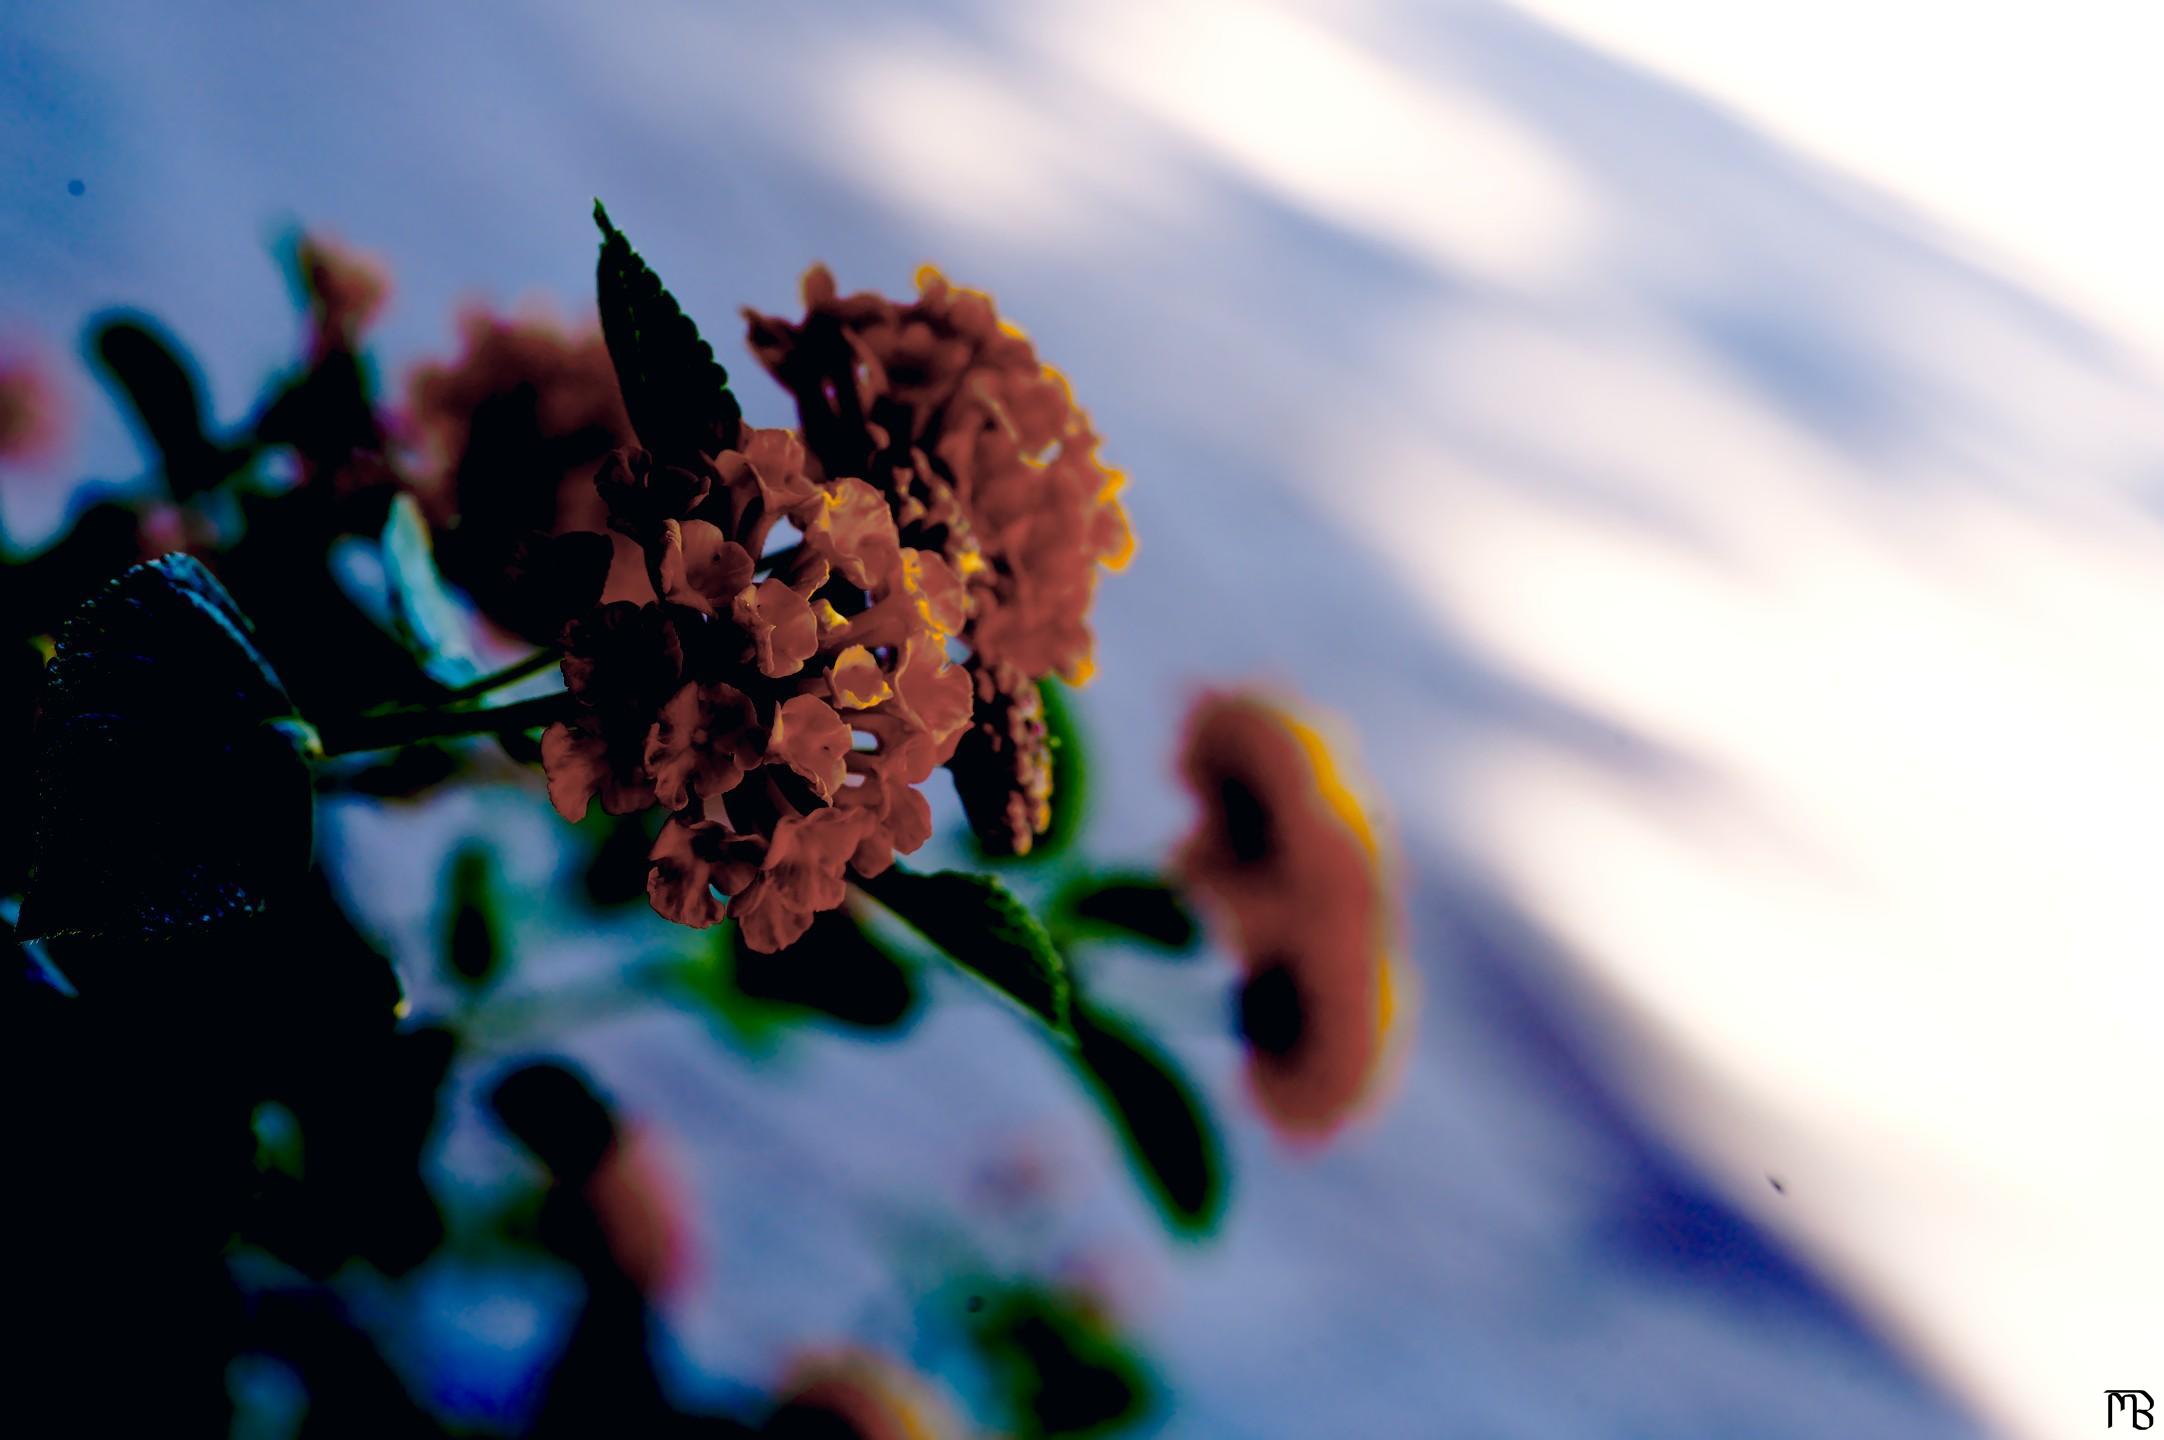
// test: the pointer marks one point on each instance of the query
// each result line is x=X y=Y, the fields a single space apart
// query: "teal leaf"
x=675 y=391
x=983 y=928
x=432 y=622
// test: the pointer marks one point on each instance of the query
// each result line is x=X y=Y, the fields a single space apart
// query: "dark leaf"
x=524 y=749
x=835 y=968
x=129 y=1137
x=554 y=1111
x=676 y=393
x=335 y=657
x=1160 y=1119
x=324 y=413
x=162 y=796
x=42 y=591
x=1064 y=1373
x=985 y=930
x=159 y=386
x=472 y=950
x=364 y=1121
x=21 y=668
x=1136 y=905
x=616 y=873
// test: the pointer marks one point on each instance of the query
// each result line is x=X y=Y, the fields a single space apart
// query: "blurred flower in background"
x=1290 y=860
x=33 y=424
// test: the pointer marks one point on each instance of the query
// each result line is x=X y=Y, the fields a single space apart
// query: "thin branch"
x=410 y=727
x=533 y=664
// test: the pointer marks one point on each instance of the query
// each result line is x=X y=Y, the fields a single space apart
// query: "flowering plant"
x=767 y=644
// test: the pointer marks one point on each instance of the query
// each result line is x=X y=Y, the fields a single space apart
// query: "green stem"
x=409 y=727
x=533 y=664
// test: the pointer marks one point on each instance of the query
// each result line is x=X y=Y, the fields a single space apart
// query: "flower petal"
x=783 y=628
x=811 y=739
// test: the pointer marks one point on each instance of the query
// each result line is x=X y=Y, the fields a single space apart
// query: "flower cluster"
x=986 y=460
x=782 y=705
x=1287 y=860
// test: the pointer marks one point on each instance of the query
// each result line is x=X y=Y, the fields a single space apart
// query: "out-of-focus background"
x=1710 y=458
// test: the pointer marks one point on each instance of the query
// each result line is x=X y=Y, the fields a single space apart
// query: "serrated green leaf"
x=675 y=391
x=983 y=928
x=1162 y=1122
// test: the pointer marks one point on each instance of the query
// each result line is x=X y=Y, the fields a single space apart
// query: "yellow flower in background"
x=1287 y=862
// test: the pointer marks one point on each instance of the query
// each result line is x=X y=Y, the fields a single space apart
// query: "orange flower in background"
x=32 y=423
x=523 y=390
x=854 y=1394
x=618 y=1205
x=980 y=453
x=641 y=1205
x=504 y=444
x=1288 y=862
x=346 y=291
x=738 y=698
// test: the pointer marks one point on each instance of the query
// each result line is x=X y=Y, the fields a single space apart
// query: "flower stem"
x=409 y=727
x=533 y=664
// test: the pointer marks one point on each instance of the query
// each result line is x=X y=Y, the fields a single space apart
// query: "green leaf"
x=472 y=949
x=1070 y=773
x=676 y=393
x=165 y=795
x=1129 y=905
x=1060 y=1369
x=982 y=927
x=1162 y=1123
x=1070 y=780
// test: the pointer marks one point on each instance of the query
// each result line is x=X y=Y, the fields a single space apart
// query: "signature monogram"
x=2136 y=1403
